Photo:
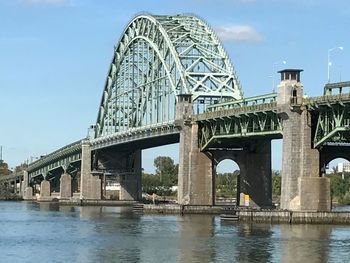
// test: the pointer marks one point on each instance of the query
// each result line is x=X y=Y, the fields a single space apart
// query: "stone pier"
x=45 y=191
x=130 y=182
x=90 y=186
x=65 y=186
x=254 y=187
x=27 y=191
x=125 y=165
x=195 y=177
x=302 y=185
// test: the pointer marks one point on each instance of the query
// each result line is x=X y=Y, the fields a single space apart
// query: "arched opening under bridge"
x=338 y=171
x=227 y=174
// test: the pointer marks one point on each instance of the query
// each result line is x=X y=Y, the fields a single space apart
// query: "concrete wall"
x=130 y=184
x=254 y=161
x=65 y=186
x=195 y=174
x=299 y=160
x=315 y=193
x=127 y=165
x=90 y=186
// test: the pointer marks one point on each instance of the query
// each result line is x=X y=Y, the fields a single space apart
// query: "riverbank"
x=258 y=216
x=244 y=214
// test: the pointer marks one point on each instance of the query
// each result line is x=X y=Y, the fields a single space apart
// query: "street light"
x=329 y=62
x=274 y=72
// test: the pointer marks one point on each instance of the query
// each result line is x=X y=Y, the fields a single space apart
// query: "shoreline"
x=244 y=214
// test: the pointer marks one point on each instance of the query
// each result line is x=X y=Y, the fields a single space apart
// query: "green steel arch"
x=156 y=59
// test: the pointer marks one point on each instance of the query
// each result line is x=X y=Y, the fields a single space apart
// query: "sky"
x=54 y=57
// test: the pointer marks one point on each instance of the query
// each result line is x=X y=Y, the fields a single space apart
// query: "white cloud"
x=48 y=2
x=241 y=33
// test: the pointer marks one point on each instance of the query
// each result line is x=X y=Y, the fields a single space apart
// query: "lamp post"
x=329 y=61
x=274 y=72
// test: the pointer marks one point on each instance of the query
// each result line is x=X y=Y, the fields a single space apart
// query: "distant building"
x=343 y=167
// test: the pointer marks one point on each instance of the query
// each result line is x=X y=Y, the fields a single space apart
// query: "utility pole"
x=0 y=152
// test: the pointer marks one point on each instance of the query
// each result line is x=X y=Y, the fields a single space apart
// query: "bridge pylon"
x=302 y=187
x=195 y=177
x=90 y=185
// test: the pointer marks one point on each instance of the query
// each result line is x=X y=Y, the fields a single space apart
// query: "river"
x=32 y=232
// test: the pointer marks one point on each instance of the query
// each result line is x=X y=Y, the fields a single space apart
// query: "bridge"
x=170 y=80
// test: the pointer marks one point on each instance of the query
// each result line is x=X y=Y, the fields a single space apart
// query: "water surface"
x=31 y=232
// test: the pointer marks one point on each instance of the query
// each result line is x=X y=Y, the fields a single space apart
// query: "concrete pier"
x=195 y=175
x=90 y=185
x=301 y=182
x=65 y=186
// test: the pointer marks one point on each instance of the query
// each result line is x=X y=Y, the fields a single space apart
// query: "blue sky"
x=54 y=56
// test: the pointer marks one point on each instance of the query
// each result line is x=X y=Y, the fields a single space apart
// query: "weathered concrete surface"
x=25 y=182
x=130 y=184
x=45 y=191
x=182 y=117
x=255 y=173
x=126 y=164
x=299 y=159
x=181 y=209
x=254 y=161
x=297 y=217
x=90 y=186
x=65 y=186
x=315 y=192
x=201 y=176
x=28 y=193
x=195 y=176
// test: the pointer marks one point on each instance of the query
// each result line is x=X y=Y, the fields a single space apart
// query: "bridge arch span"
x=156 y=59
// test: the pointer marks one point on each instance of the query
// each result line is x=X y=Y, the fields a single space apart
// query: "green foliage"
x=276 y=183
x=226 y=184
x=4 y=168
x=345 y=200
x=165 y=177
x=339 y=187
x=166 y=170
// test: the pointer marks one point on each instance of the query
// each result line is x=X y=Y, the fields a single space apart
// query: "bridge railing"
x=56 y=154
x=235 y=111
x=251 y=101
x=338 y=87
x=326 y=99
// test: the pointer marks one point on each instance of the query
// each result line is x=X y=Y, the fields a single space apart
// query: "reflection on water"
x=46 y=232
x=300 y=242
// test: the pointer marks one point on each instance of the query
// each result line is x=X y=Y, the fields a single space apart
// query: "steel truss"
x=238 y=123
x=156 y=59
x=333 y=119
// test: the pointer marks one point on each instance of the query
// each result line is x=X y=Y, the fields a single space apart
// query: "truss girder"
x=62 y=158
x=333 y=124
x=250 y=121
x=157 y=58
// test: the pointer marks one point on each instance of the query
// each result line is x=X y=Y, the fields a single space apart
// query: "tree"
x=4 y=170
x=338 y=186
x=276 y=183
x=226 y=184
x=166 y=170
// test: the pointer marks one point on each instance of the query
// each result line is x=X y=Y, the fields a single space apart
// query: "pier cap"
x=290 y=74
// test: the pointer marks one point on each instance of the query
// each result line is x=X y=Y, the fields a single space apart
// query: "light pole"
x=329 y=61
x=273 y=72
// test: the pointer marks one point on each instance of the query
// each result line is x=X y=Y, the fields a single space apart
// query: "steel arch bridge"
x=156 y=59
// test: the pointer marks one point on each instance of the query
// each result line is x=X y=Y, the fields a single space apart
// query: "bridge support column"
x=130 y=184
x=90 y=186
x=65 y=186
x=27 y=191
x=302 y=187
x=195 y=177
x=45 y=192
x=255 y=175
